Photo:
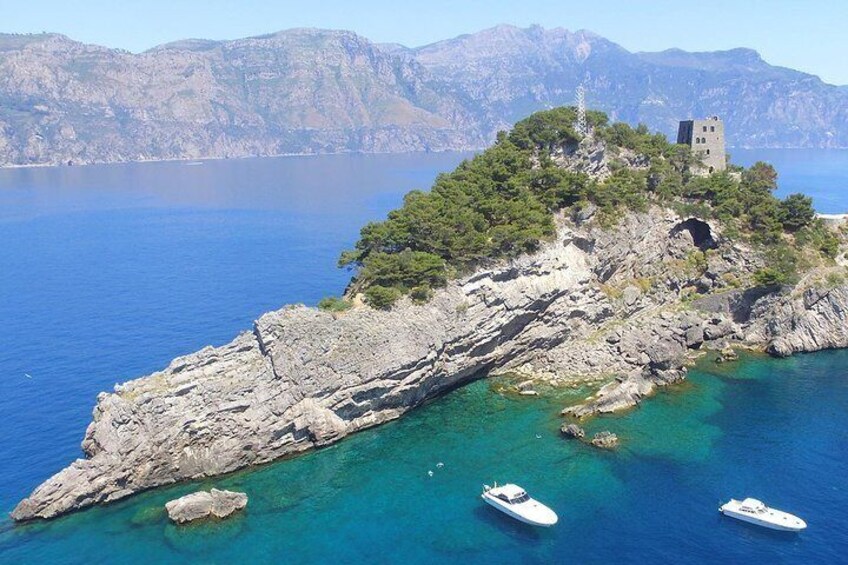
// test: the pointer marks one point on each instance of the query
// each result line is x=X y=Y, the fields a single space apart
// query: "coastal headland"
x=640 y=268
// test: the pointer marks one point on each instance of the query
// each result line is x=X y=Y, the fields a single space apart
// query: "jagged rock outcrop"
x=596 y=159
x=304 y=378
x=605 y=440
x=602 y=440
x=199 y=505
x=726 y=355
x=818 y=319
x=572 y=431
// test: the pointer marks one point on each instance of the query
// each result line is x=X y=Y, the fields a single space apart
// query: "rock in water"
x=727 y=354
x=198 y=505
x=573 y=431
x=605 y=440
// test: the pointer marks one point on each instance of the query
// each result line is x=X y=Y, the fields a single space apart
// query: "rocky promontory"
x=557 y=256
x=606 y=303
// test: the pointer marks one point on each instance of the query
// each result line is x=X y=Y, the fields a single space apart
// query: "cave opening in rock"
x=699 y=230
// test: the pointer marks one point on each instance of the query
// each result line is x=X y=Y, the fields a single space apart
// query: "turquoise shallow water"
x=108 y=272
x=767 y=428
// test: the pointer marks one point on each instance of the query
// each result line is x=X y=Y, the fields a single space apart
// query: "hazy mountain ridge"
x=512 y=71
x=317 y=91
x=295 y=92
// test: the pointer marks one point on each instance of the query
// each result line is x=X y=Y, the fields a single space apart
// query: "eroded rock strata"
x=594 y=303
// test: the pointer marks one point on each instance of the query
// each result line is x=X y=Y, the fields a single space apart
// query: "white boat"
x=515 y=502
x=755 y=512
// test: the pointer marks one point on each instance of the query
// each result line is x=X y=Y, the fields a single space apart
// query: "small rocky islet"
x=202 y=505
x=604 y=439
x=634 y=299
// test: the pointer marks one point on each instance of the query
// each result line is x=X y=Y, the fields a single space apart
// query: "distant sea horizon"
x=730 y=150
x=816 y=172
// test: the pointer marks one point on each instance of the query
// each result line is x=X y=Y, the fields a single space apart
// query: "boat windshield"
x=523 y=497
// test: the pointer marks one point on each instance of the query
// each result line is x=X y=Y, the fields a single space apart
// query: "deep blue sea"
x=108 y=272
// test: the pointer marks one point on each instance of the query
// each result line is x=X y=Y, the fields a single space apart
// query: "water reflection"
x=326 y=184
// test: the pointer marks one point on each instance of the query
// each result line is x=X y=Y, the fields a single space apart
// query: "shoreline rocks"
x=201 y=505
x=727 y=354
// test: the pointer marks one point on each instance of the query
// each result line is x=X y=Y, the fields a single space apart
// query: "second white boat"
x=753 y=511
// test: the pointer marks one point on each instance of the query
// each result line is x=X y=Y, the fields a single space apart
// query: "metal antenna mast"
x=582 y=127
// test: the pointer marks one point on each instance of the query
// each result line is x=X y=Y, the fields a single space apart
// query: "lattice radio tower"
x=582 y=127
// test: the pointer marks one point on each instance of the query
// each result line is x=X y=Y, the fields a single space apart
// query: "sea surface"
x=108 y=272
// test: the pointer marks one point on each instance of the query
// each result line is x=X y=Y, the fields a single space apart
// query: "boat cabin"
x=752 y=506
x=511 y=494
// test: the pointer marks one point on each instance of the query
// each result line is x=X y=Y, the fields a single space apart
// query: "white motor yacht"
x=515 y=502
x=753 y=511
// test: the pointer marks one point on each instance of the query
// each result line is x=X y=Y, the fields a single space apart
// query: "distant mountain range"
x=319 y=91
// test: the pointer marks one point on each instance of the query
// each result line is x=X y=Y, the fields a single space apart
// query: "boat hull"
x=763 y=523
x=776 y=520
x=543 y=519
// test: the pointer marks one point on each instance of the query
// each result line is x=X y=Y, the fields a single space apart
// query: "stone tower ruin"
x=706 y=138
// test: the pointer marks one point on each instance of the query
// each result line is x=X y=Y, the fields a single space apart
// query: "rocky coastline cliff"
x=607 y=304
x=620 y=266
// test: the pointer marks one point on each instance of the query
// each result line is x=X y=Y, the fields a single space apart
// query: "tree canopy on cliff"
x=500 y=203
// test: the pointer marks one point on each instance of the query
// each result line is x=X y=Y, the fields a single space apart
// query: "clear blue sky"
x=808 y=35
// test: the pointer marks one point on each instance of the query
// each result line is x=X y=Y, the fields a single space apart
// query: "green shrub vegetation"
x=768 y=277
x=500 y=204
x=817 y=236
x=381 y=297
x=421 y=294
x=834 y=279
x=797 y=212
x=782 y=266
x=334 y=304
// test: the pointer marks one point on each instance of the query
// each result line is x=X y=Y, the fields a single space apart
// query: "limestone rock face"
x=815 y=320
x=303 y=378
x=215 y=503
x=593 y=157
